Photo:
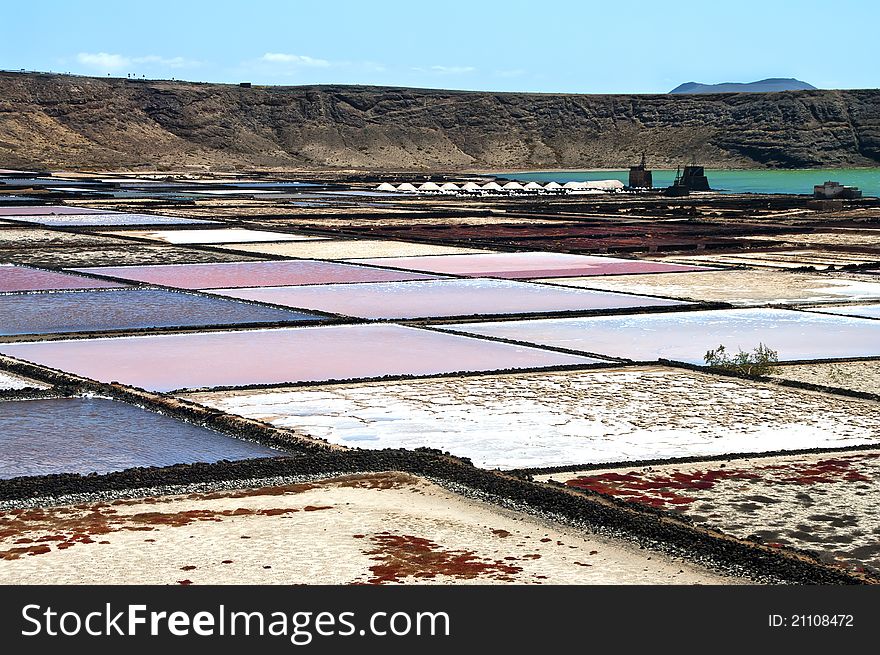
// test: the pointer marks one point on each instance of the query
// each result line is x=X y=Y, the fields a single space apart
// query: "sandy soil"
x=349 y=249
x=861 y=376
x=564 y=418
x=824 y=503
x=738 y=287
x=378 y=528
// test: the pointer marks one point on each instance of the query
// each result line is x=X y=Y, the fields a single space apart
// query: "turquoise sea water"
x=733 y=181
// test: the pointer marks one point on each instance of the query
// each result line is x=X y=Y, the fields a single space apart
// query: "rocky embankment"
x=56 y=121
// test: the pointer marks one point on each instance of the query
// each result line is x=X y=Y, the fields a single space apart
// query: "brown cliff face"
x=55 y=121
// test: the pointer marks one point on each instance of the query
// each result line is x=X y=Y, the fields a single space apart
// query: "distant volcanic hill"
x=770 y=85
x=67 y=121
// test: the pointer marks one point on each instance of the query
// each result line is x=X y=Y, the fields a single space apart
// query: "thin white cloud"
x=453 y=70
x=295 y=60
x=516 y=72
x=109 y=62
x=103 y=61
x=170 y=62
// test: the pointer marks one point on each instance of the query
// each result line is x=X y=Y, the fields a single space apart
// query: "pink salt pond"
x=526 y=265
x=443 y=298
x=279 y=356
x=253 y=274
x=21 y=278
x=47 y=210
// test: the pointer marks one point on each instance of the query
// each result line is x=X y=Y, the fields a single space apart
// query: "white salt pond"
x=564 y=418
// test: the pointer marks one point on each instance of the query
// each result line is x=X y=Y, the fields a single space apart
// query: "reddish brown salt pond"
x=253 y=274
x=277 y=356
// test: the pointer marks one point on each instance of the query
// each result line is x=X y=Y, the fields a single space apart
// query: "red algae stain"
x=501 y=533
x=378 y=481
x=184 y=582
x=16 y=553
x=582 y=564
x=188 y=567
x=407 y=556
x=34 y=530
x=65 y=527
x=662 y=491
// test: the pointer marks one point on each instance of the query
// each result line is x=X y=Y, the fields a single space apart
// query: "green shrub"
x=758 y=362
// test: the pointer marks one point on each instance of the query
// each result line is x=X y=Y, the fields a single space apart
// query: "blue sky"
x=564 y=46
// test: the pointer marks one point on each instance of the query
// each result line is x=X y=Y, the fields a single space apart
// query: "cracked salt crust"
x=823 y=503
x=564 y=418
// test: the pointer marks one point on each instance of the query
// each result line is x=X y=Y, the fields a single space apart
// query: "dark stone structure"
x=640 y=177
x=694 y=178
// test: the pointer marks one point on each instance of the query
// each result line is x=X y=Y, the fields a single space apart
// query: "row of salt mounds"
x=596 y=186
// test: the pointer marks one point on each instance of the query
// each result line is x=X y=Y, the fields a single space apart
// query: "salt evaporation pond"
x=526 y=265
x=738 y=287
x=21 y=278
x=825 y=503
x=350 y=249
x=108 y=219
x=437 y=298
x=287 y=355
x=94 y=311
x=687 y=336
x=563 y=418
x=252 y=274
x=85 y=435
x=48 y=210
x=864 y=311
x=216 y=235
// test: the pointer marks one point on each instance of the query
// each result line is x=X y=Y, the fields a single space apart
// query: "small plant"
x=839 y=376
x=758 y=362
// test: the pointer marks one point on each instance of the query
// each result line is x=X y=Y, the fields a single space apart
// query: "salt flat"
x=564 y=418
x=386 y=528
x=861 y=376
x=351 y=249
x=825 y=503
x=687 y=336
x=737 y=287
